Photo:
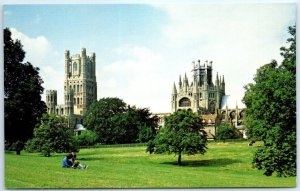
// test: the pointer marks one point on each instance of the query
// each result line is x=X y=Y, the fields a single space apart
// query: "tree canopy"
x=183 y=133
x=23 y=106
x=52 y=135
x=271 y=112
x=116 y=122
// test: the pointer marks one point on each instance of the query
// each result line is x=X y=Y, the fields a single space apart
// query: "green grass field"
x=224 y=165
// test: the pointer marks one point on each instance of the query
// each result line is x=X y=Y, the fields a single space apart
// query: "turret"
x=93 y=62
x=174 y=92
x=199 y=74
x=180 y=82
x=217 y=81
x=83 y=62
x=223 y=84
x=185 y=83
x=51 y=100
x=174 y=98
x=68 y=68
x=209 y=73
x=69 y=105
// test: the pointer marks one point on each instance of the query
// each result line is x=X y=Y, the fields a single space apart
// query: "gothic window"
x=77 y=88
x=232 y=115
x=74 y=101
x=200 y=95
x=70 y=68
x=184 y=102
x=74 y=68
x=78 y=101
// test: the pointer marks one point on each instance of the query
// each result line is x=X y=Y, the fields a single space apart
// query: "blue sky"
x=142 y=49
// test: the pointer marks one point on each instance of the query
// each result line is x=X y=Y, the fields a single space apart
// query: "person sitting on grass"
x=69 y=162
x=76 y=163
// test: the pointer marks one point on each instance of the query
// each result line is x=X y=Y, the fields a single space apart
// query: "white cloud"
x=238 y=38
x=39 y=53
x=138 y=79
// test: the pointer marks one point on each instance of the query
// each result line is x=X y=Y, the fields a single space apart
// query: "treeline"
x=115 y=122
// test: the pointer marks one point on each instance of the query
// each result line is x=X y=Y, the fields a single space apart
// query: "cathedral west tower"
x=80 y=77
x=80 y=88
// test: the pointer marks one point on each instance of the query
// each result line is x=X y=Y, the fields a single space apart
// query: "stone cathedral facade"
x=80 y=87
x=202 y=95
x=207 y=98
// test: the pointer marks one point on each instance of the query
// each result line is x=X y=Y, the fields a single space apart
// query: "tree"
x=183 y=133
x=271 y=113
x=116 y=122
x=101 y=116
x=86 y=138
x=225 y=131
x=22 y=93
x=52 y=135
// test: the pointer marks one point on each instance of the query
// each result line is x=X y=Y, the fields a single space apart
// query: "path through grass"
x=224 y=165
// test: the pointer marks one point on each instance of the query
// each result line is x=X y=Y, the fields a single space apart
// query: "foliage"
x=22 y=90
x=271 y=113
x=183 y=133
x=225 y=131
x=52 y=135
x=115 y=122
x=86 y=138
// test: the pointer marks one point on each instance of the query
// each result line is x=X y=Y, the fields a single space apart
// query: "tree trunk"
x=179 y=158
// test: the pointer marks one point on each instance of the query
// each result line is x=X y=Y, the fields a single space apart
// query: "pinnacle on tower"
x=180 y=82
x=217 y=80
x=174 y=89
x=186 y=81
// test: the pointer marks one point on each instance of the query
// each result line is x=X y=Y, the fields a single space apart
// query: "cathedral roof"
x=209 y=118
x=231 y=102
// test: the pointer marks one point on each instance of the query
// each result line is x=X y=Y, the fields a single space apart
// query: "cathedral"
x=80 y=88
x=201 y=95
x=207 y=98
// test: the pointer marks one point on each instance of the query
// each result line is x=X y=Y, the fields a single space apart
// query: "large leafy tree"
x=183 y=133
x=116 y=122
x=100 y=118
x=271 y=113
x=52 y=135
x=22 y=91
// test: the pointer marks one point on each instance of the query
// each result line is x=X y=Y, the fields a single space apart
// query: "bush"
x=225 y=131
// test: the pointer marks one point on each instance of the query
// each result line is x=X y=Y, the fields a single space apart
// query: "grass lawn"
x=224 y=165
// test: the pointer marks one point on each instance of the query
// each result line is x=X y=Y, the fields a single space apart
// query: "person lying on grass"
x=67 y=162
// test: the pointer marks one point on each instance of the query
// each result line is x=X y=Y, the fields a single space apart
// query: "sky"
x=141 y=49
